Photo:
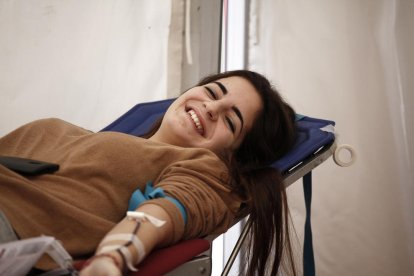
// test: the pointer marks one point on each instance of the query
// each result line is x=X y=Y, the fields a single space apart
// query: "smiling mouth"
x=196 y=121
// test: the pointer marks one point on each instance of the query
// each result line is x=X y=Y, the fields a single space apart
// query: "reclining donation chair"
x=315 y=143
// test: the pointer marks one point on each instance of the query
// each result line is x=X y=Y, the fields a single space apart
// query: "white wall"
x=86 y=62
x=351 y=62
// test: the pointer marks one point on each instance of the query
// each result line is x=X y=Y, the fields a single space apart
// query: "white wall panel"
x=349 y=61
x=86 y=62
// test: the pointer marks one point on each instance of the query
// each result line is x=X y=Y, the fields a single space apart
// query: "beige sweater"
x=98 y=173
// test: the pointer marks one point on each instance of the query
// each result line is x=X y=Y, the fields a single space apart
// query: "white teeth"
x=196 y=121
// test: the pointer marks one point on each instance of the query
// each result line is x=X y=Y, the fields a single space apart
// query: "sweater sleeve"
x=200 y=185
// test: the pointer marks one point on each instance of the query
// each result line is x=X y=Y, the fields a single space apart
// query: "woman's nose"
x=213 y=109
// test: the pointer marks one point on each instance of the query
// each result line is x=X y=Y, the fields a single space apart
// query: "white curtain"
x=351 y=62
x=86 y=62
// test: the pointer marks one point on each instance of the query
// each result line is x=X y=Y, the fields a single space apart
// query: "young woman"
x=208 y=156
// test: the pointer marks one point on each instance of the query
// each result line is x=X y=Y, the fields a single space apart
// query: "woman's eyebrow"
x=238 y=113
x=222 y=87
x=235 y=109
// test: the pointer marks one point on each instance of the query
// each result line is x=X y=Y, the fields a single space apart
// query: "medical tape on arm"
x=143 y=217
x=136 y=242
x=131 y=239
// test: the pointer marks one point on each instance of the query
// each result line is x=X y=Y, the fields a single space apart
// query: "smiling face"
x=214 y=116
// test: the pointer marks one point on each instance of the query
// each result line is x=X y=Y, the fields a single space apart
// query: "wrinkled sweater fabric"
x=98 y=173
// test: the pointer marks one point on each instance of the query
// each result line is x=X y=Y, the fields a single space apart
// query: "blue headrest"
x=139 y=119
x=310 y=138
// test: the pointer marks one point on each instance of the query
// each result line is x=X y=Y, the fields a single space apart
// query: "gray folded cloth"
x=7 y=233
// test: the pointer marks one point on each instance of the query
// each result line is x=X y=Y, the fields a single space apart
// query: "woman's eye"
x=211 y=92
x=231 y=124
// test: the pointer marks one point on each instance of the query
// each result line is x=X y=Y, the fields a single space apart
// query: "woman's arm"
x=111 y=262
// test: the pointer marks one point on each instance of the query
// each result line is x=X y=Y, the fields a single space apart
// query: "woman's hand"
x=101 y=266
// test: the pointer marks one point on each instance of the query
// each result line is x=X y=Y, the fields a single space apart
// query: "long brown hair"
x=271 y=136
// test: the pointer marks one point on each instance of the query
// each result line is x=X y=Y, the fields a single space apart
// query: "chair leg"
x=236 y=249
